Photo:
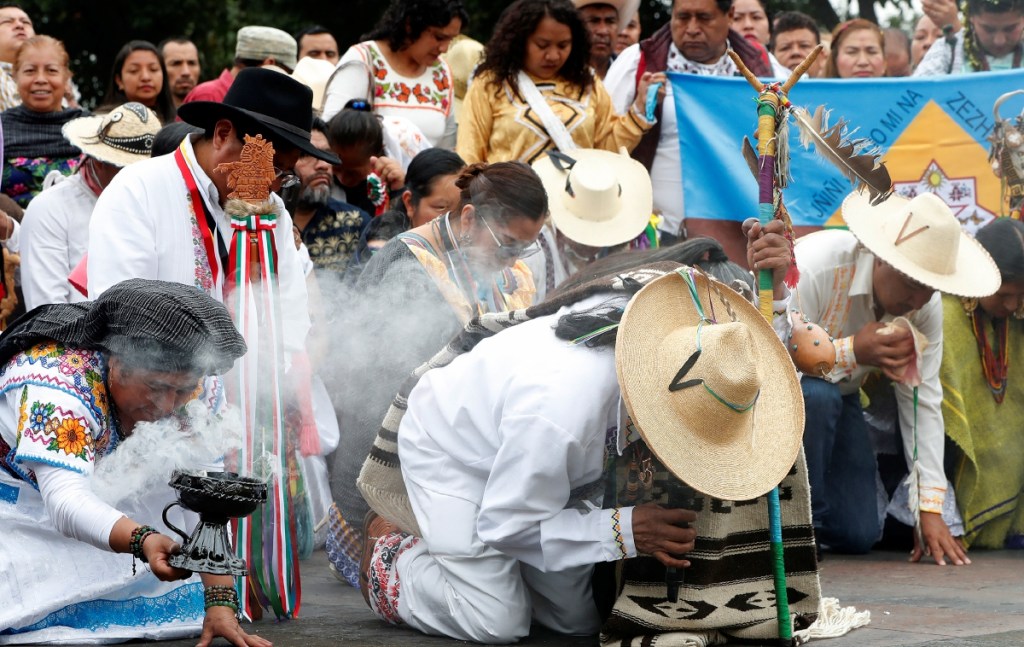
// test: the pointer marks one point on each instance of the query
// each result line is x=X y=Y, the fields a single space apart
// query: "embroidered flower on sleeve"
x=40 y=416
x=72 y=363
x=72 y=438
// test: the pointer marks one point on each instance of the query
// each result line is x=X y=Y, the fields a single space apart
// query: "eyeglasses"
x=511 y=251
x=286 y=178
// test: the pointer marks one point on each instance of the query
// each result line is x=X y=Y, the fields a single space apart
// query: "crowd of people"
x=457 y=235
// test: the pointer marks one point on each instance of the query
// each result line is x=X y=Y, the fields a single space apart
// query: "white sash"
x=557 y=131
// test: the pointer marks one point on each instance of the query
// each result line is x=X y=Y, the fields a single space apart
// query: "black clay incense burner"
x=216 y=497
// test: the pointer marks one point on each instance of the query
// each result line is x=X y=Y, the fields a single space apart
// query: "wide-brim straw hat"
x=597 y=198
x=121 y=137
x=626 y=9
x=923 y=240
x=728 y=421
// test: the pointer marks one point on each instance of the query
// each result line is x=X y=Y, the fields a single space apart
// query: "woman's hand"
x=158 y=549
x=942 y=13
x=646 y=81
x=390 y=171
x=221 y=622
x=657 y=531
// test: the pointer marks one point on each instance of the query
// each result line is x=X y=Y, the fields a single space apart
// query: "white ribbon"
x=557 y=131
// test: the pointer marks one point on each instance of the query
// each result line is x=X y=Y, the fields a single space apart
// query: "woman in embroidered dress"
x=535 y=91
x=983 y=342
x=33 y=143
x=398 y=68
x=414 y=294
x=77 y=382
x=857 y=51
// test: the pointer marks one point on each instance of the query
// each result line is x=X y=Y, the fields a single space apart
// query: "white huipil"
x=142 y=228
x=491 y=447
x=55 y=236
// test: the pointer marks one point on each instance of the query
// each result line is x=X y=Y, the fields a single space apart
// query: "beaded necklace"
x=995 y=366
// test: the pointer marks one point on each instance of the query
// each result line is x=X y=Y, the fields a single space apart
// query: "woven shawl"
x=989 y=445
x=37 y=134
x=381 y=477
x=728 y=592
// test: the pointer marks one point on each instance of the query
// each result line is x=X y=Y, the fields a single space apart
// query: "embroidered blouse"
x=499 y=125
x=425 y=100
x=56 y=410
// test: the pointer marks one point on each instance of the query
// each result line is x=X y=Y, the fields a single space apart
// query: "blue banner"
x=932 y=133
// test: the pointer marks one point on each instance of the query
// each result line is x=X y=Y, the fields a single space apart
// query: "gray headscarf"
x=155 y=325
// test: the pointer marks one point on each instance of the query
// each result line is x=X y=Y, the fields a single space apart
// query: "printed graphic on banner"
x=932 y=133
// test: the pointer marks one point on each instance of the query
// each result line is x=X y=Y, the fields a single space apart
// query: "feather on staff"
x=864 y=170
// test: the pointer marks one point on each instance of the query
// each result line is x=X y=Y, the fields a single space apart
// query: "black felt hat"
x=278 y=105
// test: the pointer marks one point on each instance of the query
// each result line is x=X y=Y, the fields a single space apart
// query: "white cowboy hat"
x=719 y=404
x=596 y=198
x=314 y=73
x=923 y=240
x=626 y=8
x=121 y=137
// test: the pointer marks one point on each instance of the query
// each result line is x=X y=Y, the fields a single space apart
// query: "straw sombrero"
x=596 y=198
x=122 y=136
x=922 y=239
x=727 y=420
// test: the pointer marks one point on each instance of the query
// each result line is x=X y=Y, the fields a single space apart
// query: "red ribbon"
x=199 y=204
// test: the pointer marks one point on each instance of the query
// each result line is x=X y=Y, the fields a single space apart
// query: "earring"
x=969 y=305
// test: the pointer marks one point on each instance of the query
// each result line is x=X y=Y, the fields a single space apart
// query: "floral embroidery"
x=433 y=91
x=384 y=584
x=22 y=177
x=40 y=415
x=72 y=437
x=64 y=417
x=203 y=275
x=74 y=362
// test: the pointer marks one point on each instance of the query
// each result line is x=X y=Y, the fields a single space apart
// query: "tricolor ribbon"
x=266 y=539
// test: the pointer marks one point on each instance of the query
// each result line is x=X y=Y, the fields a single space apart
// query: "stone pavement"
x=981 y=605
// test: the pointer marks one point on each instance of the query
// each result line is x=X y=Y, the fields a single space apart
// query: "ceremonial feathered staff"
x=772 y=170
x=266 y=540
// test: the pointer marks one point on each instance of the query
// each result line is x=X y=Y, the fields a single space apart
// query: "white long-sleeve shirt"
x=141 y=228
x=514 y=427
x=55 y=237
x=836 y=291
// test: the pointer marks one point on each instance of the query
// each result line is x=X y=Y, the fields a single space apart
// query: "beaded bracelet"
x=221 y=596
x=138 y=537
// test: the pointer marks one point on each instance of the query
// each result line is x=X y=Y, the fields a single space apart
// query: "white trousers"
x=453 y=585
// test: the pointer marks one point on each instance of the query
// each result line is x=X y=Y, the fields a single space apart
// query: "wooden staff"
x=772 y=109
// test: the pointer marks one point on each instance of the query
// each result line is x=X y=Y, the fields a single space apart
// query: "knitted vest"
x=654 y=58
